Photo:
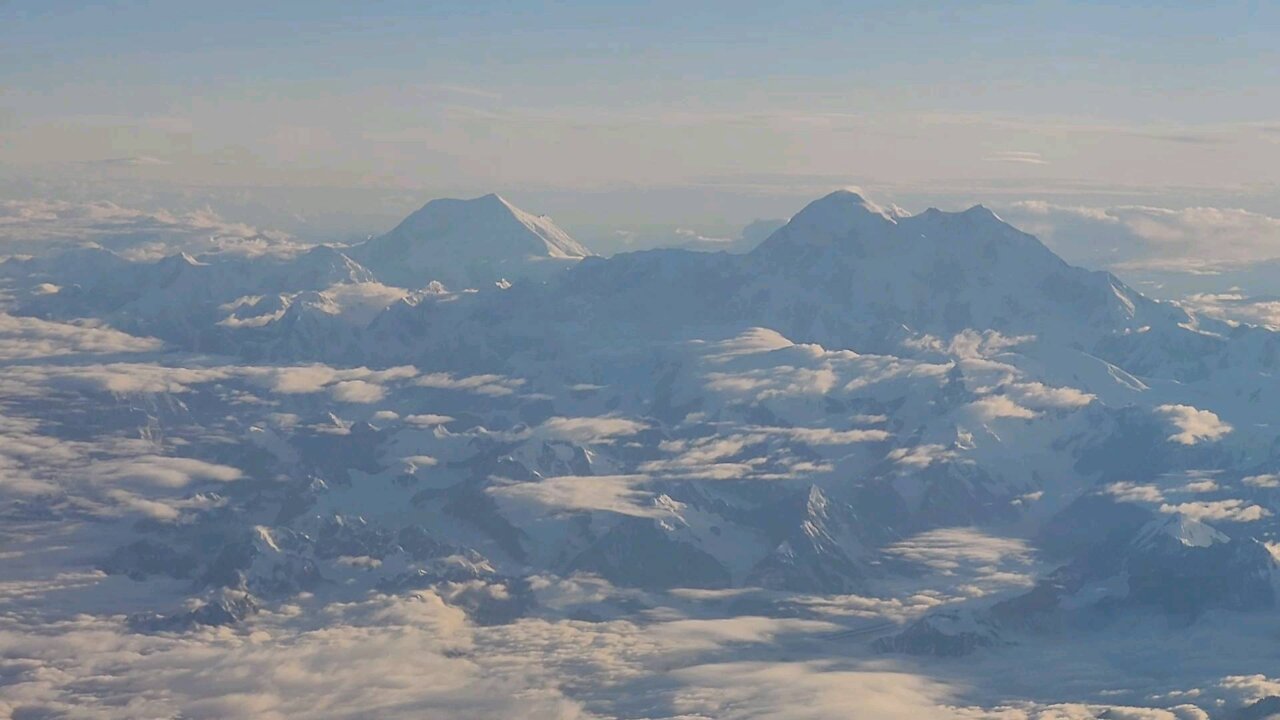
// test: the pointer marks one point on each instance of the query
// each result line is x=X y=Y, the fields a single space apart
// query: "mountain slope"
x=844 y=274
x=850 y=429
x=466 y=243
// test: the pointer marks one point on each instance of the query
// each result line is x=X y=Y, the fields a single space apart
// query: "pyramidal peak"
x=559 y=243
x=1181 y=528
x=844 y=205
x=492 y=202
x=468 y=243
x=830 y=219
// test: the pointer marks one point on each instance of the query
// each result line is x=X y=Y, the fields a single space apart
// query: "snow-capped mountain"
x=925 y=433
x=843 y=273
x=182 y=299
x=469 y=243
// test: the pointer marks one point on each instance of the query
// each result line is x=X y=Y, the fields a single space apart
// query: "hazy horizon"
x=632 y=131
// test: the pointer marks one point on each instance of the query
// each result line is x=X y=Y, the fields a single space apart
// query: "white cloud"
x=964 y=551
x=1194 y=426
x=1203 y=233
x=1263 y=481
x=140 y=378
x=687 y=236
x=301 y=379
x=160 y=471
x=1133 y=492
x=162 y=509
x=493 y=385
x=588 y=429
x=753 y=341
x=387 y=657
x=778 y=381
x=974 y=344
x=921 y=456
x=706 y=458
x=1000 y=406
x=355 y=303
x=427 y=420
x=25 y=338
x=1229 y=510
x=608 y=493
x=826 y=436
x=1193 y=238
x=413 y=462
x=1251 y=688
x=42 y=226
x=399 y=372
x=135 y=378
x=361 y=302
x=305 y=379
x=357 y=391
x=1042 y=397
x=1235 y=307
x=1022 y=157
x=1082 y=711
x=806 y=691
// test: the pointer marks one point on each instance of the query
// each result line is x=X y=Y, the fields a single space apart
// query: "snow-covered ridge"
x=468 y=243
x=1184 y=530
x=912 y=433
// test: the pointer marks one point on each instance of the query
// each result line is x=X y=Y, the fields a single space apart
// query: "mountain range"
x=473 y=402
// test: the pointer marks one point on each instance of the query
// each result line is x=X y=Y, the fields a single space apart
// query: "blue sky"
x=1048 y=98
x=1097 y=58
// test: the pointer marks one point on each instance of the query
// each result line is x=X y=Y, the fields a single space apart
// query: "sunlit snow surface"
x=249 y=490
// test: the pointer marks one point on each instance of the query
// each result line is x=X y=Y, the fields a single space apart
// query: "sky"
x=614 y=113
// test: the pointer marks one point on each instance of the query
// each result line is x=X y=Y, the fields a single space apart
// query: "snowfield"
x=882 y=465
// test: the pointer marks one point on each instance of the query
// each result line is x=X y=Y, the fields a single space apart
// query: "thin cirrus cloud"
x=131 y=161
x=1018 y=157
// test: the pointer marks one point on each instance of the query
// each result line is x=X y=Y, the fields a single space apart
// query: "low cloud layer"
x=393 y=658
x=28 y=338
x=41 y=226
x=1137 y=237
